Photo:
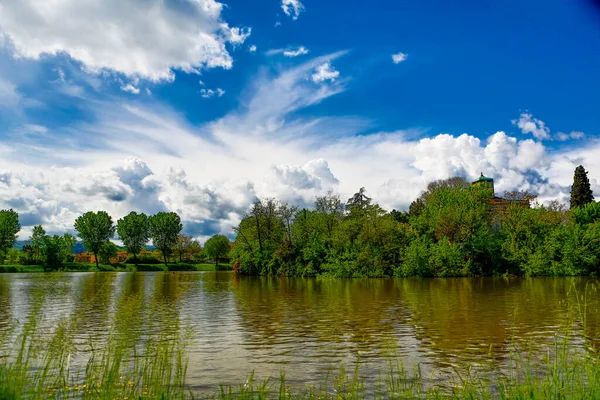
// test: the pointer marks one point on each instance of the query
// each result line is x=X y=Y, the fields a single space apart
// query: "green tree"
x=69 y=241
x=9 y=227
x=108 y=251
x=164 y=231
x=29 y=253
x=94 y=229
x=217 y=247
x=37 y=240
x=581 y=192
x=52 y=250
x=134 y=231
x=586 y=214
x=12 y=257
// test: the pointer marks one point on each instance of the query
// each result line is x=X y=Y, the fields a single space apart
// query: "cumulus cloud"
x=399 y=57
x=252 y=49
x=325 y=72
x=209 y=93
x=528 y=124
x=112 y=35
x=146 y=158
x=292 y=8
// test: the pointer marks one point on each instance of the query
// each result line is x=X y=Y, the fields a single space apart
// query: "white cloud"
x=573 y=135
x=289 y=52
x=399 y=57
x=145 y=158
x=292 y=8
x=8 y=93
x=237 y=35
x=117 y=36
x=130 y=89
x=209 y=93
x=325 y=72
x=252 y=49
x=295 y=53
x=528 y=124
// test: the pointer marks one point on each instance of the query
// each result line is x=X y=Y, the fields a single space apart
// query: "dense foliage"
x=134 y=231
x=164 y=231
x=452 y=229
x=217 y=247
x=9 y=227
x=95 y=229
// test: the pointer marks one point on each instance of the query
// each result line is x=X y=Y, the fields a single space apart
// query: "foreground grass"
x=130 y=363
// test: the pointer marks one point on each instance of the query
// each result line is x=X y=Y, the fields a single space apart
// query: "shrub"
x=182 y=267
x=144 y=259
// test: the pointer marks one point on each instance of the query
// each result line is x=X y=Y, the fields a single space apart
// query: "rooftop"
x=483 y=178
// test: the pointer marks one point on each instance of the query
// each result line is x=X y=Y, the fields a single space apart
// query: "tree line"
x=96 y=229
x=452 y=229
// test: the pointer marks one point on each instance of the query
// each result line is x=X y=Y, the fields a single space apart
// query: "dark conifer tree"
x=581 y=193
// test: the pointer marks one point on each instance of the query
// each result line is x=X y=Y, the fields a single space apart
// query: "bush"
x=182 y=267
x=145 y=259
x=9 y=268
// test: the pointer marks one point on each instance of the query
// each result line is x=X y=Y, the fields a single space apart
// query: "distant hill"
x=78 y=248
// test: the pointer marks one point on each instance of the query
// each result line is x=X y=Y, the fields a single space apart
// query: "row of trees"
x=452 y=229
x=96 y=229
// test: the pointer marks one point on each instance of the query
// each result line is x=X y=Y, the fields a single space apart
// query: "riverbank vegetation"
x=44 y=252
x=453 y=229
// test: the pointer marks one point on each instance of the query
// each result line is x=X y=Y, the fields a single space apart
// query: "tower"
x=484 y=181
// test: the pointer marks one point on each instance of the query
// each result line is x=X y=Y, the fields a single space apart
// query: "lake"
x=310 y=327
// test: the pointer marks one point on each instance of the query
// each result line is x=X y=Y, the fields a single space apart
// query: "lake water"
x=309 y=327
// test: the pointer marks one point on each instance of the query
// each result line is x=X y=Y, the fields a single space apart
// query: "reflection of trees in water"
x=362 y=312
x=461 y=318
x=5 y=305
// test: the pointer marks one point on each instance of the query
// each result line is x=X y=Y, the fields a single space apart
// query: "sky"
x=201 y=107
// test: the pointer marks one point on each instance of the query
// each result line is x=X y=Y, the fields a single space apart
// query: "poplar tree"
x=581 y=193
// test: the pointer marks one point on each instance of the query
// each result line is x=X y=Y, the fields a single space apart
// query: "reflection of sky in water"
x=307 y=327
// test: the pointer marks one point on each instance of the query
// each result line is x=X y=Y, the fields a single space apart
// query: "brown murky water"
x=310 y=327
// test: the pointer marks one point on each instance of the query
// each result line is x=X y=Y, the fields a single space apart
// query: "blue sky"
x=199 y=106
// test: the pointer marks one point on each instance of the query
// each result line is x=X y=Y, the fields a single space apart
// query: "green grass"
x=121 y=267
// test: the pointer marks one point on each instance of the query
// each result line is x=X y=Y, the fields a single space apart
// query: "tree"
x=108 y=251
x=164 y=230
x=186 y=247
x=37 y=239
x=69 y=241
x=217 y=247
x=359 y=202
x=581 y=193
x=9 y=227
x=134 y=231
x=94 y=229
x=52 y=250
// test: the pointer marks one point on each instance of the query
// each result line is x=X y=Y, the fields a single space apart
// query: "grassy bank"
x=127 y=363
x=83 y=267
